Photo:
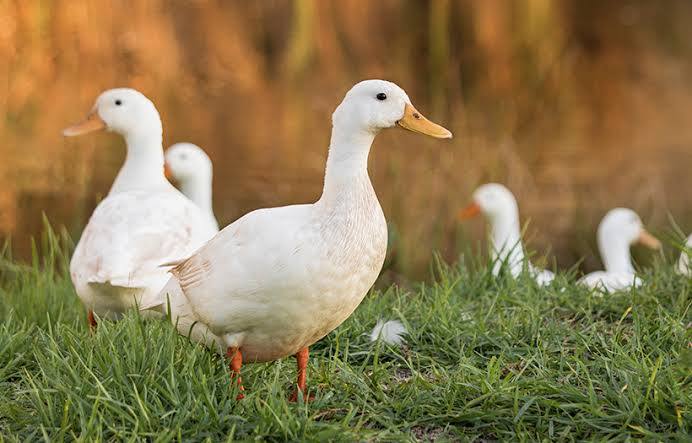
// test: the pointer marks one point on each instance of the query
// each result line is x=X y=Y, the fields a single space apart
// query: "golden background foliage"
x=578 y=106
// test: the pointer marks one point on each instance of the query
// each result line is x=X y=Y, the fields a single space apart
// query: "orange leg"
x=302 y=360
x=92 y=320
x=236 y=362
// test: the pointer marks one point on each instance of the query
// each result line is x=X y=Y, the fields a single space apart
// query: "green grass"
x=486 y=359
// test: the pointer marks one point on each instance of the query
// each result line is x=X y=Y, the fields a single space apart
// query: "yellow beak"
x=414 y=121
x=648 y=240
x=92 y=123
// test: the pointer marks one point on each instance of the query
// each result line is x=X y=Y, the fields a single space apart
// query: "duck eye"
x=381 y=96
x=118 y=102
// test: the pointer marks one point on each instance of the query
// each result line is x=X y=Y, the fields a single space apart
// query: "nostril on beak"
x=416 y=115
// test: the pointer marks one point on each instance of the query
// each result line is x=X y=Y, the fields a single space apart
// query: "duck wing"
x=130 y=235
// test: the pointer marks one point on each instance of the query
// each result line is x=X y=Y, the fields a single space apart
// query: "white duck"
x=142 y=223
x=499 y=207
x=619 y=229
x=188 y=166
x=277 y=280
x=684 y=266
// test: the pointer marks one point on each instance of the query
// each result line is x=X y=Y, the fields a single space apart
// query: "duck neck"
x=505 y=238
x=199 y=191
x=143 y=167
x=347 y=164
x=615 y=253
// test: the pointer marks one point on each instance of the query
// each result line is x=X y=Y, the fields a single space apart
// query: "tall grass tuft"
x=485 y=358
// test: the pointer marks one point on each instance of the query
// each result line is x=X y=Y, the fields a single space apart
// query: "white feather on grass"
x=390 y=332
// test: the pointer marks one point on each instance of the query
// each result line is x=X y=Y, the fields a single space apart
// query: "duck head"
x=373 y=105
x=499 y=207
x=494 y=201
x=619 y=229
x=186 y=163
x=124 y=111
x=191 y=168
x=129 y=113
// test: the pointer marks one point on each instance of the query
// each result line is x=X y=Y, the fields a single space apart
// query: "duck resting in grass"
x=499 y=207
x=277 y=280
x=190 y=168
x=619 y=229
x=142 y=223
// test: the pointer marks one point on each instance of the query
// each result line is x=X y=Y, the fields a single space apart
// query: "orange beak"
x=167 y=172
x=648 y=240
x=92 y=123
x=470 y=211
x=414 y=121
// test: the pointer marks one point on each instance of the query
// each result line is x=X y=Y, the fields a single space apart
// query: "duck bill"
x=470 y=211
x=648 y=240
x=414 y=121
x=92 y=123
x=167 y=172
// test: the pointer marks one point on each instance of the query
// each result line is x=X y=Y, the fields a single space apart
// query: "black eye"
x=118 y=102
x=381 y=96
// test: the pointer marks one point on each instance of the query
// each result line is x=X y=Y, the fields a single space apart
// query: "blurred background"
x=577 y=105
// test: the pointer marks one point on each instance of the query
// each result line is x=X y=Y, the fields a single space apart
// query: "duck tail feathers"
x=159 y=301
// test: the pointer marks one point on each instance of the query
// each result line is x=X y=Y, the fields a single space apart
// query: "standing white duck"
x=619 y=229
x=277 y=280
x=188 y=166
x=684 y=266
x=142 y=223
x=499 y=207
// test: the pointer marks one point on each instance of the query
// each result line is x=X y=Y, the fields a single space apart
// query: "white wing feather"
x=390 y=332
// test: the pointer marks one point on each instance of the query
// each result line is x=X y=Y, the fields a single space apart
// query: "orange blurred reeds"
x=577 y=106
